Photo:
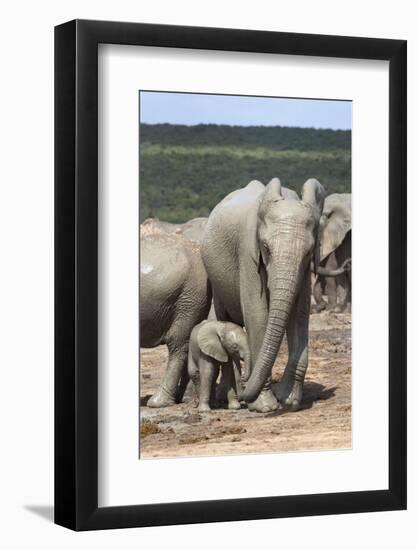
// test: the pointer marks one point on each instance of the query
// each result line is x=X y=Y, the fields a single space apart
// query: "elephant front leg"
x=331 y=283
x=290 y=387
x=318 y=295
x=208 y=371
x=167 y=393
x=348 y=299
x=255 y=316
x=347 y=302
x=230 y=382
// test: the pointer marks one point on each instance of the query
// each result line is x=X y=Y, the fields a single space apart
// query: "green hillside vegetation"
x=186 y=170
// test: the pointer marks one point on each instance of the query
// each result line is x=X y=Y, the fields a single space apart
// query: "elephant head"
x=283 y=245
x=335 y=222
x=223 y=341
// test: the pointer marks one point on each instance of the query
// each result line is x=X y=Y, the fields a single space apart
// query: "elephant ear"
x=273 y=192
x=313 y=194
x=209 y=342
x=335 y=230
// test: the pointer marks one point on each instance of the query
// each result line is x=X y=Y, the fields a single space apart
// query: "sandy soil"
x=323 y=422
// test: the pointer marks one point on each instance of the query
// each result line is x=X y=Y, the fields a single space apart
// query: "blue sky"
x=180 y=108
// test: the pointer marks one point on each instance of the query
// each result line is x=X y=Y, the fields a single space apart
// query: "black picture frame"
x=76 y=271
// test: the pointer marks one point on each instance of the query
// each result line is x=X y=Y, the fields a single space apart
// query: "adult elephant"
x=192 y=230
x=175 y=296
x=257 y=249
x=336 y=248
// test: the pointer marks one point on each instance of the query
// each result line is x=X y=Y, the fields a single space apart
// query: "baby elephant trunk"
x=241 y=372
x=246 y=365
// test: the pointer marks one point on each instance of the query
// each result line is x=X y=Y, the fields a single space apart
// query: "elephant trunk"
x=237 y=377
x=247 y=366
x=283 y=292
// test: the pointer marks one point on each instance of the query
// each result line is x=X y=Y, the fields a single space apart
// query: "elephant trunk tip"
x=250 y=393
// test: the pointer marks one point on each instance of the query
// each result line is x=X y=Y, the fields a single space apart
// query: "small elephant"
x=215 y=344
x=336 y=248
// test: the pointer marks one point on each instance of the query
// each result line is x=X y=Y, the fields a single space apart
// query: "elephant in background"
x=216 y=345
x=192 y=230
x=336 y=248
x=175 y=295
x=257 y=249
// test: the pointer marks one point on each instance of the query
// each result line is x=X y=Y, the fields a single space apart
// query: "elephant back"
x=194 y=229
x=169 y=263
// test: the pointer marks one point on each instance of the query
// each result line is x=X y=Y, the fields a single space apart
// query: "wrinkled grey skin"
x=175 y=295
x=192 y=230
x=216 y=345
x=335 y=238
x=257 y=249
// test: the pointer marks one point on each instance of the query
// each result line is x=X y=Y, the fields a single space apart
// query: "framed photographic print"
x=230 y=338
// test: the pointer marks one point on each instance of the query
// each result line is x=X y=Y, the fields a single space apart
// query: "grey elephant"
x=336 y=248
x=257 y=249
x=216 y=345
x=192 y=230
x=175 y=295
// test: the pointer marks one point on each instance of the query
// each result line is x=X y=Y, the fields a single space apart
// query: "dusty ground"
x=324 y=422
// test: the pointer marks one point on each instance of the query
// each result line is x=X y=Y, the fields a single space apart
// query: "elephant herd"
x=255 y=261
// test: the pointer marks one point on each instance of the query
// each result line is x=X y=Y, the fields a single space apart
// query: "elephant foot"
x=266 y=402
x=320 y=307
x=344 y=308
x=290 y=394
x=204 y=407
x=233 y=405
x=194 y=403
x=161 y=398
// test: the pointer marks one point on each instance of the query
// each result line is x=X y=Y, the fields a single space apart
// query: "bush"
x=186 y=170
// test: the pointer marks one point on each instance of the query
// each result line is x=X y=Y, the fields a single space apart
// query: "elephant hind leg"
x=169 y=388
x=255 y=323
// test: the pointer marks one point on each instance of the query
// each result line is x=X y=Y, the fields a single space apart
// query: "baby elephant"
x=215 y=344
